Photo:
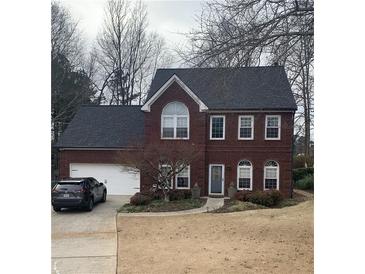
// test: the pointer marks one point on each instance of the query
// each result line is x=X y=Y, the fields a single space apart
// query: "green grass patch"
x=163 y=206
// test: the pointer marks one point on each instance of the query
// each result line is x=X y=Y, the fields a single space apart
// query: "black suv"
x=77 y=192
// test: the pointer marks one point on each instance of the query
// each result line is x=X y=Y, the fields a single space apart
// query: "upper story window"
x=175 y=121
x=217 y=127
x=271 y=175
x=245 y=127
x=244 y=175
x=272 y=127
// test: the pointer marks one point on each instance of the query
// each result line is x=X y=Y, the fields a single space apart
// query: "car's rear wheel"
x=104 y=197
x=57 y=209
x=90 y=205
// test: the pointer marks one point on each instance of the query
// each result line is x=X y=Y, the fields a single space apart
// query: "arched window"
x=175 y=121
x=271 y=175
x=244 y=175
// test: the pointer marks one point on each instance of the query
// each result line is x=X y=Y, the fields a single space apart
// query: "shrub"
x=140 y=199
x=158 y=195
x=179 y=194
x=241 y=195
x=187 y=193
x=260 y=197
x=276 y=196
x=299 y=161
x=300 y=173
x=305 y=183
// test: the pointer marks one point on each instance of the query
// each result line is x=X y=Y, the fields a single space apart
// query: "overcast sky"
x=168 y=18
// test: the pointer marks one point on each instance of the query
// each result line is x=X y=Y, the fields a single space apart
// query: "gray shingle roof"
x=104 y=127
x=234 y=88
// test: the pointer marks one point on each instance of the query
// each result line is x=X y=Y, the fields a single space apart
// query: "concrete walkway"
x=211 y=204
x=86 y=242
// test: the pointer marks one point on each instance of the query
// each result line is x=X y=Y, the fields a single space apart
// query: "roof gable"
x=174 y=78
x=246 y=88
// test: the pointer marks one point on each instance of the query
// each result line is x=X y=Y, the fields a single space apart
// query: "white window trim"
x=224 y=126
x=177 y=175
x=277 y=175
x=238 y=176
x=210 y=177
x=175 y=126
x=279 y=127
x=172 y=179
x=147 y=106
x=252 y=127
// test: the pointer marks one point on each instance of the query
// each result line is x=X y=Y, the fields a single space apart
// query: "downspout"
x=292 y=156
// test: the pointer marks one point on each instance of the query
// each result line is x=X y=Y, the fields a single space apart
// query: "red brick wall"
x=197 y=133
x=229 y=151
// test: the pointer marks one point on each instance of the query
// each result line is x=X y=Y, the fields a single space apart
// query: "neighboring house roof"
x=251 y=88
x=104 y=127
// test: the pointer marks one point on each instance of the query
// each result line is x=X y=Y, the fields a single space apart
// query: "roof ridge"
x=250 y=67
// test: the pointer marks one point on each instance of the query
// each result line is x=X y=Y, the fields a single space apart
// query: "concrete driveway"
x=86 y=242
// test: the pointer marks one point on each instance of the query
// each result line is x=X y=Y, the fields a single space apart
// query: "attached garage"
x=119 y=180
x=99 y=142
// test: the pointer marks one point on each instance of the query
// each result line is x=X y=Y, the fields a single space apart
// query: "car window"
x=95 y=181
x=91 y=181
x=68 y=186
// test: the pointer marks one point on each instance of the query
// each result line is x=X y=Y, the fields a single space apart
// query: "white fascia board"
x=147 y=106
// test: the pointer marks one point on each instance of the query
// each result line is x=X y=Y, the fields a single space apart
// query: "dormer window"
x=175 y=121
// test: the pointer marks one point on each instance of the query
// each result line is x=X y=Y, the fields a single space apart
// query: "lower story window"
x=244 y=175
x=165 y=171
x=183 y=178
x=271 y=174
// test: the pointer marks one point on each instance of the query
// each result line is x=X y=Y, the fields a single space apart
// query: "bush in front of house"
x=306 y=183
x=260 y=197
x=140 y=199
x=300 y=173
x=241 y=195
x=179 y=194
x=276 y=196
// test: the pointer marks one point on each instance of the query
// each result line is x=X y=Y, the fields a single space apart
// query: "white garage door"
x=120 y=180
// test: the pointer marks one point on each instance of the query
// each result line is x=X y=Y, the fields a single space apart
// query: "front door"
x=216 y=179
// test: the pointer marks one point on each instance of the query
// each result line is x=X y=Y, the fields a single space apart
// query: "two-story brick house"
x=240 y=119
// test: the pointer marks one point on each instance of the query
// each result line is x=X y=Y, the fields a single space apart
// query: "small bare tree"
x=161 y=163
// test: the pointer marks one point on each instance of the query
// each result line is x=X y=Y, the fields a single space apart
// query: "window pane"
x=271 y=183
x=244 y=183
x=182 y=122
x=272 y=132
x=168 y=132
x=168 y=122
x=175 y=108
x=217 y=127
x=272 y=121
x=181 y=132
x=245 y=132
x=245 y=172
x=271 y=173
x=182 y=182
x=246 y=121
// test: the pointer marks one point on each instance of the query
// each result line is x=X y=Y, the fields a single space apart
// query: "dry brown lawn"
x=257 y=241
